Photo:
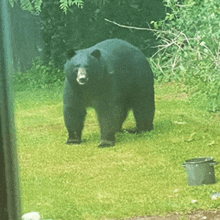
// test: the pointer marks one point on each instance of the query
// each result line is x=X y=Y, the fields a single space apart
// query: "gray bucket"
x=200 y=170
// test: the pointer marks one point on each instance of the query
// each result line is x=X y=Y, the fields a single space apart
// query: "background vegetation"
x=62 y=31
x=187 y=42
x=34 y=6
x=142 y=174
x=52 y=32
x=189 y=49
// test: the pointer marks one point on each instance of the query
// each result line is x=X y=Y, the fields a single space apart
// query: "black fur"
x=119 y=79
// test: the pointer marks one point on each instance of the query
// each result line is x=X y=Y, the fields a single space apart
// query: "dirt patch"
x=197 y=215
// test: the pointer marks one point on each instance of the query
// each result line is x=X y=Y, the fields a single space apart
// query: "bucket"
x=200 y=170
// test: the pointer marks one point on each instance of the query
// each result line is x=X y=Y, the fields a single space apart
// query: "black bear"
x=112 y=76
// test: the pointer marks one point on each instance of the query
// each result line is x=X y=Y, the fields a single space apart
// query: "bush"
x=189 y=49
x=39 y=76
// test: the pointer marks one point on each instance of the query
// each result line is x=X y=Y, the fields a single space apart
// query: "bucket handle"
x=214 y=163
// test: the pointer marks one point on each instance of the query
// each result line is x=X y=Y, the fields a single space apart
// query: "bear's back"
x=120 y=55
x=116 y=48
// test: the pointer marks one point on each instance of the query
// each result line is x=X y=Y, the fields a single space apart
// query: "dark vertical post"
x=10 y=206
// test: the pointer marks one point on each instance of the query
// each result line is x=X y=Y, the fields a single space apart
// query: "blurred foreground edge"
x=10 y=205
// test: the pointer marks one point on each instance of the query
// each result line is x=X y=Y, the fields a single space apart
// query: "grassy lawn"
x=141 y=176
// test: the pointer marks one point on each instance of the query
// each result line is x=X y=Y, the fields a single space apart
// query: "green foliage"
x=35 y=5
x=39 y=76
x=189 y=48
x=82 y=28
x=65 y=4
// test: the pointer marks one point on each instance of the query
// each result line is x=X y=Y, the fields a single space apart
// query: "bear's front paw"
x=73 y=141
x=105 y=143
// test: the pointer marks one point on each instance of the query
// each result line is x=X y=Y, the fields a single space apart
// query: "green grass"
x=141 y=175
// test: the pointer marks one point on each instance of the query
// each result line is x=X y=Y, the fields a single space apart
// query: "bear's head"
x=84 y=66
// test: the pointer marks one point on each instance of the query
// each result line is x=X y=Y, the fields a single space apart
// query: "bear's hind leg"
x=123 y=115
x=143 y=110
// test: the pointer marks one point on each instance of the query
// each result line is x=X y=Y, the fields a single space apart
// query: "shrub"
x=39 y=76
x=189 y=49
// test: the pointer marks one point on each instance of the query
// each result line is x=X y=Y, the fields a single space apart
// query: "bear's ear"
x=70 y=54
x=96 y=54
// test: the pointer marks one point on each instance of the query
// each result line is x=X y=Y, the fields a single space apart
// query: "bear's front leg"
x=74 y=137
x=110 y=124
x=74 y=120
x=74 y=114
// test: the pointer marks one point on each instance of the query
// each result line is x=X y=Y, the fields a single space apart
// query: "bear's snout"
x=82 y=77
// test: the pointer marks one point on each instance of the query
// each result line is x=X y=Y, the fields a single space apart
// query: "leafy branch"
x=35 y=5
